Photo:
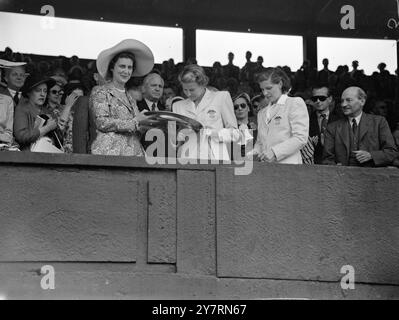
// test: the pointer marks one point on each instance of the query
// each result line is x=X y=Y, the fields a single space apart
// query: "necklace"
x=120 y=90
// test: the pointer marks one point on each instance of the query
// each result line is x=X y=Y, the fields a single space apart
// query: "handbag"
x=44 y=144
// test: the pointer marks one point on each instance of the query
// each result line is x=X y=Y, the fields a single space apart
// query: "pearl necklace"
x=120 y=90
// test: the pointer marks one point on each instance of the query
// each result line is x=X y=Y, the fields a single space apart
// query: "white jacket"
x=216 y=113
x=284 y=129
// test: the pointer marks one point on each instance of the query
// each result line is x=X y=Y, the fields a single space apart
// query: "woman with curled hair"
x=214 y=110
x=283 y=125
x=116 y=115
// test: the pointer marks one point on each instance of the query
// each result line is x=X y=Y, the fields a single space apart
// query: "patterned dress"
x=117 y=129
x=65 y=127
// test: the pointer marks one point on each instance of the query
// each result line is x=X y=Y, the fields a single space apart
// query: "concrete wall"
x=116 y=227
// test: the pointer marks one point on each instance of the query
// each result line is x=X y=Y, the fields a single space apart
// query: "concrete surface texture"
x=115 y=227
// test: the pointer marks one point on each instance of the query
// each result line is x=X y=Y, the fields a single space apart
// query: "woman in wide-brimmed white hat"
x=117 y=117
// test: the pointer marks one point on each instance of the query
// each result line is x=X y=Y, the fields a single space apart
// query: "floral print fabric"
x=117 y=128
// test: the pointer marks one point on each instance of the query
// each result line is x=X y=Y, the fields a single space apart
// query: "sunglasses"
x=241 y=106
x=320 y=98
x=57 y=92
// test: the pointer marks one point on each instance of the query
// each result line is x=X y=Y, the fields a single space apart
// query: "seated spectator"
x=6 y=121
x=168 y=93
x=54 y=97
x=6 y=112
x=63 y=113
x=27 y=128
x=152 y=91
x=359 y=139
x=380 y=108
x=319 y=119
x=248 y=129
x=15 y=76
x=232 y=86
x=258 y=102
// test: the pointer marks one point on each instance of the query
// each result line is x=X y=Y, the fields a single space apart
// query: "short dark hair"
x=275 y=75
x=124 y=54
x=319 y=86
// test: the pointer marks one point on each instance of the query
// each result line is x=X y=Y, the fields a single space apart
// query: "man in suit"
x=15 y=79
x=14 y=76
x=319 y=119
x=152 y=93
x=152 y=90
x=359 y=139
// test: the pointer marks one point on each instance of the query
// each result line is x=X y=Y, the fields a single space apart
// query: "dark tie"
x=354 y=133
x=323 y=127
x=354 y=127
x=153 y=107
x=16 y=98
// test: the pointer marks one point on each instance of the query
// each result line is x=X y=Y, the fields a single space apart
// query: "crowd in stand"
x=63 y=86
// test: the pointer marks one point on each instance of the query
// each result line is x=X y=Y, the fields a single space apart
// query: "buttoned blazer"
x=216 y=113
x=286 y=130
x=142 y=105
x=314 y=130
x=374 y=137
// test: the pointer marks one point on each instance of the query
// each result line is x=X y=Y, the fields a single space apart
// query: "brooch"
x=277 y=120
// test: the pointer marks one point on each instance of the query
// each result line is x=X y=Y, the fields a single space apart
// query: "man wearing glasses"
x=319 y=119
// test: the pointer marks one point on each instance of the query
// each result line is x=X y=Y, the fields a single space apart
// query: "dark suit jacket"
x=142 y=105
x=374 y=137
x=83 y=128
x=314 y=130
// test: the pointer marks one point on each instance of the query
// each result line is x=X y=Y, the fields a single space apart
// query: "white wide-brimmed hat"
x=10 y=64
x=143 y=56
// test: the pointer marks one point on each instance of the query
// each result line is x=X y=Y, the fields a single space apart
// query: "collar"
x=282 y=100
x=326 y=112
x=150 y=103
x=357 y=119
x=243 y=122
x=13 y=92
